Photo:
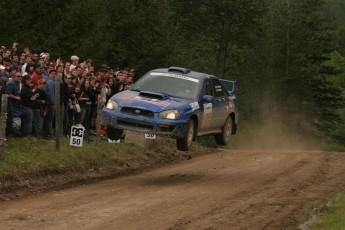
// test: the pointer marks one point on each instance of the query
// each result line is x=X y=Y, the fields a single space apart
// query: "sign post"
x=3 y=118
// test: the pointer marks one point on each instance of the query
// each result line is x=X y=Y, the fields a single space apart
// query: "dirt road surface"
x=221 y=190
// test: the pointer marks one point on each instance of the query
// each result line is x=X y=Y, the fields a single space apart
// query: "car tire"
x=224 y=137
x=114 y=134
x=183 y=144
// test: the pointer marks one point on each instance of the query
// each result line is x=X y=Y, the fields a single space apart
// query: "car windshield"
x=171 y=84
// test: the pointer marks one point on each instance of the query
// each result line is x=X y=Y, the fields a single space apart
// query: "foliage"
x=286 y=55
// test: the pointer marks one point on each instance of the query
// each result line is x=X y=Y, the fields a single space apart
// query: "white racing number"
x=150 y=136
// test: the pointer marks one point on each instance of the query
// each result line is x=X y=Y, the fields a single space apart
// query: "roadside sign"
x=77 y=133
x=150 y=136
x=113 y=141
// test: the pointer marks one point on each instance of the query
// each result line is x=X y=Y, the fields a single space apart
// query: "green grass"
x=332 y=218
x=29 y=155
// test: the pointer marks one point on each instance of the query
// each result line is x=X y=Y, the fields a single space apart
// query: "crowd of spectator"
x=28 y=78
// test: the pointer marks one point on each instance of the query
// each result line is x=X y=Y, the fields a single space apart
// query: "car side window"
x=218 y=89
x=207 y=88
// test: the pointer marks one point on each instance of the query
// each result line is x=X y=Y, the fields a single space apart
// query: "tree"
x=300 y=39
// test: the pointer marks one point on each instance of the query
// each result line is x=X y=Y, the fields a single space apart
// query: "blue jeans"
x=38 y=123
x=27 y=115
x=48 y=122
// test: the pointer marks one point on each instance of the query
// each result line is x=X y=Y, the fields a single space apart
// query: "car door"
x=205 y=124
x=220 y=104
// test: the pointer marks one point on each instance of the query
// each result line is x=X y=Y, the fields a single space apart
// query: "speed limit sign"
x=77 y=133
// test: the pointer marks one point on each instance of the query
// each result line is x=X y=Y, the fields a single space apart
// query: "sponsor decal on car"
x=194 y=105
x=206 y=121
x=176 y=76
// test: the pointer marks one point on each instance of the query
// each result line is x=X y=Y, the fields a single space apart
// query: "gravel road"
x=227 y=189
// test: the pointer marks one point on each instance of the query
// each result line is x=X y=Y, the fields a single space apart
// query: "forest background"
x=287 y=55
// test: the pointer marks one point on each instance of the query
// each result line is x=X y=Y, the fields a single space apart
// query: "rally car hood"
x=152 y=101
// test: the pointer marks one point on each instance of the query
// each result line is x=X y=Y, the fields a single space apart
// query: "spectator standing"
x=27 y=61
x=50 y=91
x=93 y=97
x=30 y=68
x=36 y=75
x=75 y=62
x=6 y=53
x=27 y=97
x=3 y=82
x=85 y=105
x=113 y=88
x=41 y=62
x=27 y=51
x=91 y=70
x=63 y=101
x=81 y=100
x=13 y=106
x=120 y=81
x=40 y=108
x=34 y=58
x=12 y=72
x=79 y=75
x=22 y=58
x=74 y=74
x=7 y=63
x=66 y=69
x=15 y=60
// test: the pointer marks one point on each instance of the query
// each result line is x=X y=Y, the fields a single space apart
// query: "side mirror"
x=207 y=98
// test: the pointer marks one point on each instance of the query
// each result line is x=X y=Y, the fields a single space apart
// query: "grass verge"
x=332 y=217
x=30 y=165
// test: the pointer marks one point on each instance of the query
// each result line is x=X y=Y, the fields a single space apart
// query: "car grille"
x=136 y=125
x=136 y=111
x=166 y=128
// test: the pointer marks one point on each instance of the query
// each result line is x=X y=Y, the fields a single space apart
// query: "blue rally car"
x=175 y=102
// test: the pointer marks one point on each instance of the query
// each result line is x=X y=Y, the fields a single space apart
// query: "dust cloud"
x=273 y=134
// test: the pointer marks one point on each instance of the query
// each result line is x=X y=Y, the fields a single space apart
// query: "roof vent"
x=178 y=69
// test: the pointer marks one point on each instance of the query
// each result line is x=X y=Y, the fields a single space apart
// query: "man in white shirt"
x=27 y=60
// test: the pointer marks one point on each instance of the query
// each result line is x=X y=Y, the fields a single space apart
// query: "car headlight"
x=170 y=114
x=112 y=105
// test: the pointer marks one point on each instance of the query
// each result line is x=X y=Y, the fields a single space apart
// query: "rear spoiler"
x=231 y=86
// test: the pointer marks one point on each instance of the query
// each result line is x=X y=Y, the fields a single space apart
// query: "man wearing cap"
x=75 y=62
x=7 y=63
x=50 y=92
x=3 y=81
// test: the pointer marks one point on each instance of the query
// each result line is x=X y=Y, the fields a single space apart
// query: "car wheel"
x=114 y=134
x=184 y=143
x=224 y=137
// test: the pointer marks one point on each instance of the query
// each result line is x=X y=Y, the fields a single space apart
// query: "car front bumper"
x=150 y=125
